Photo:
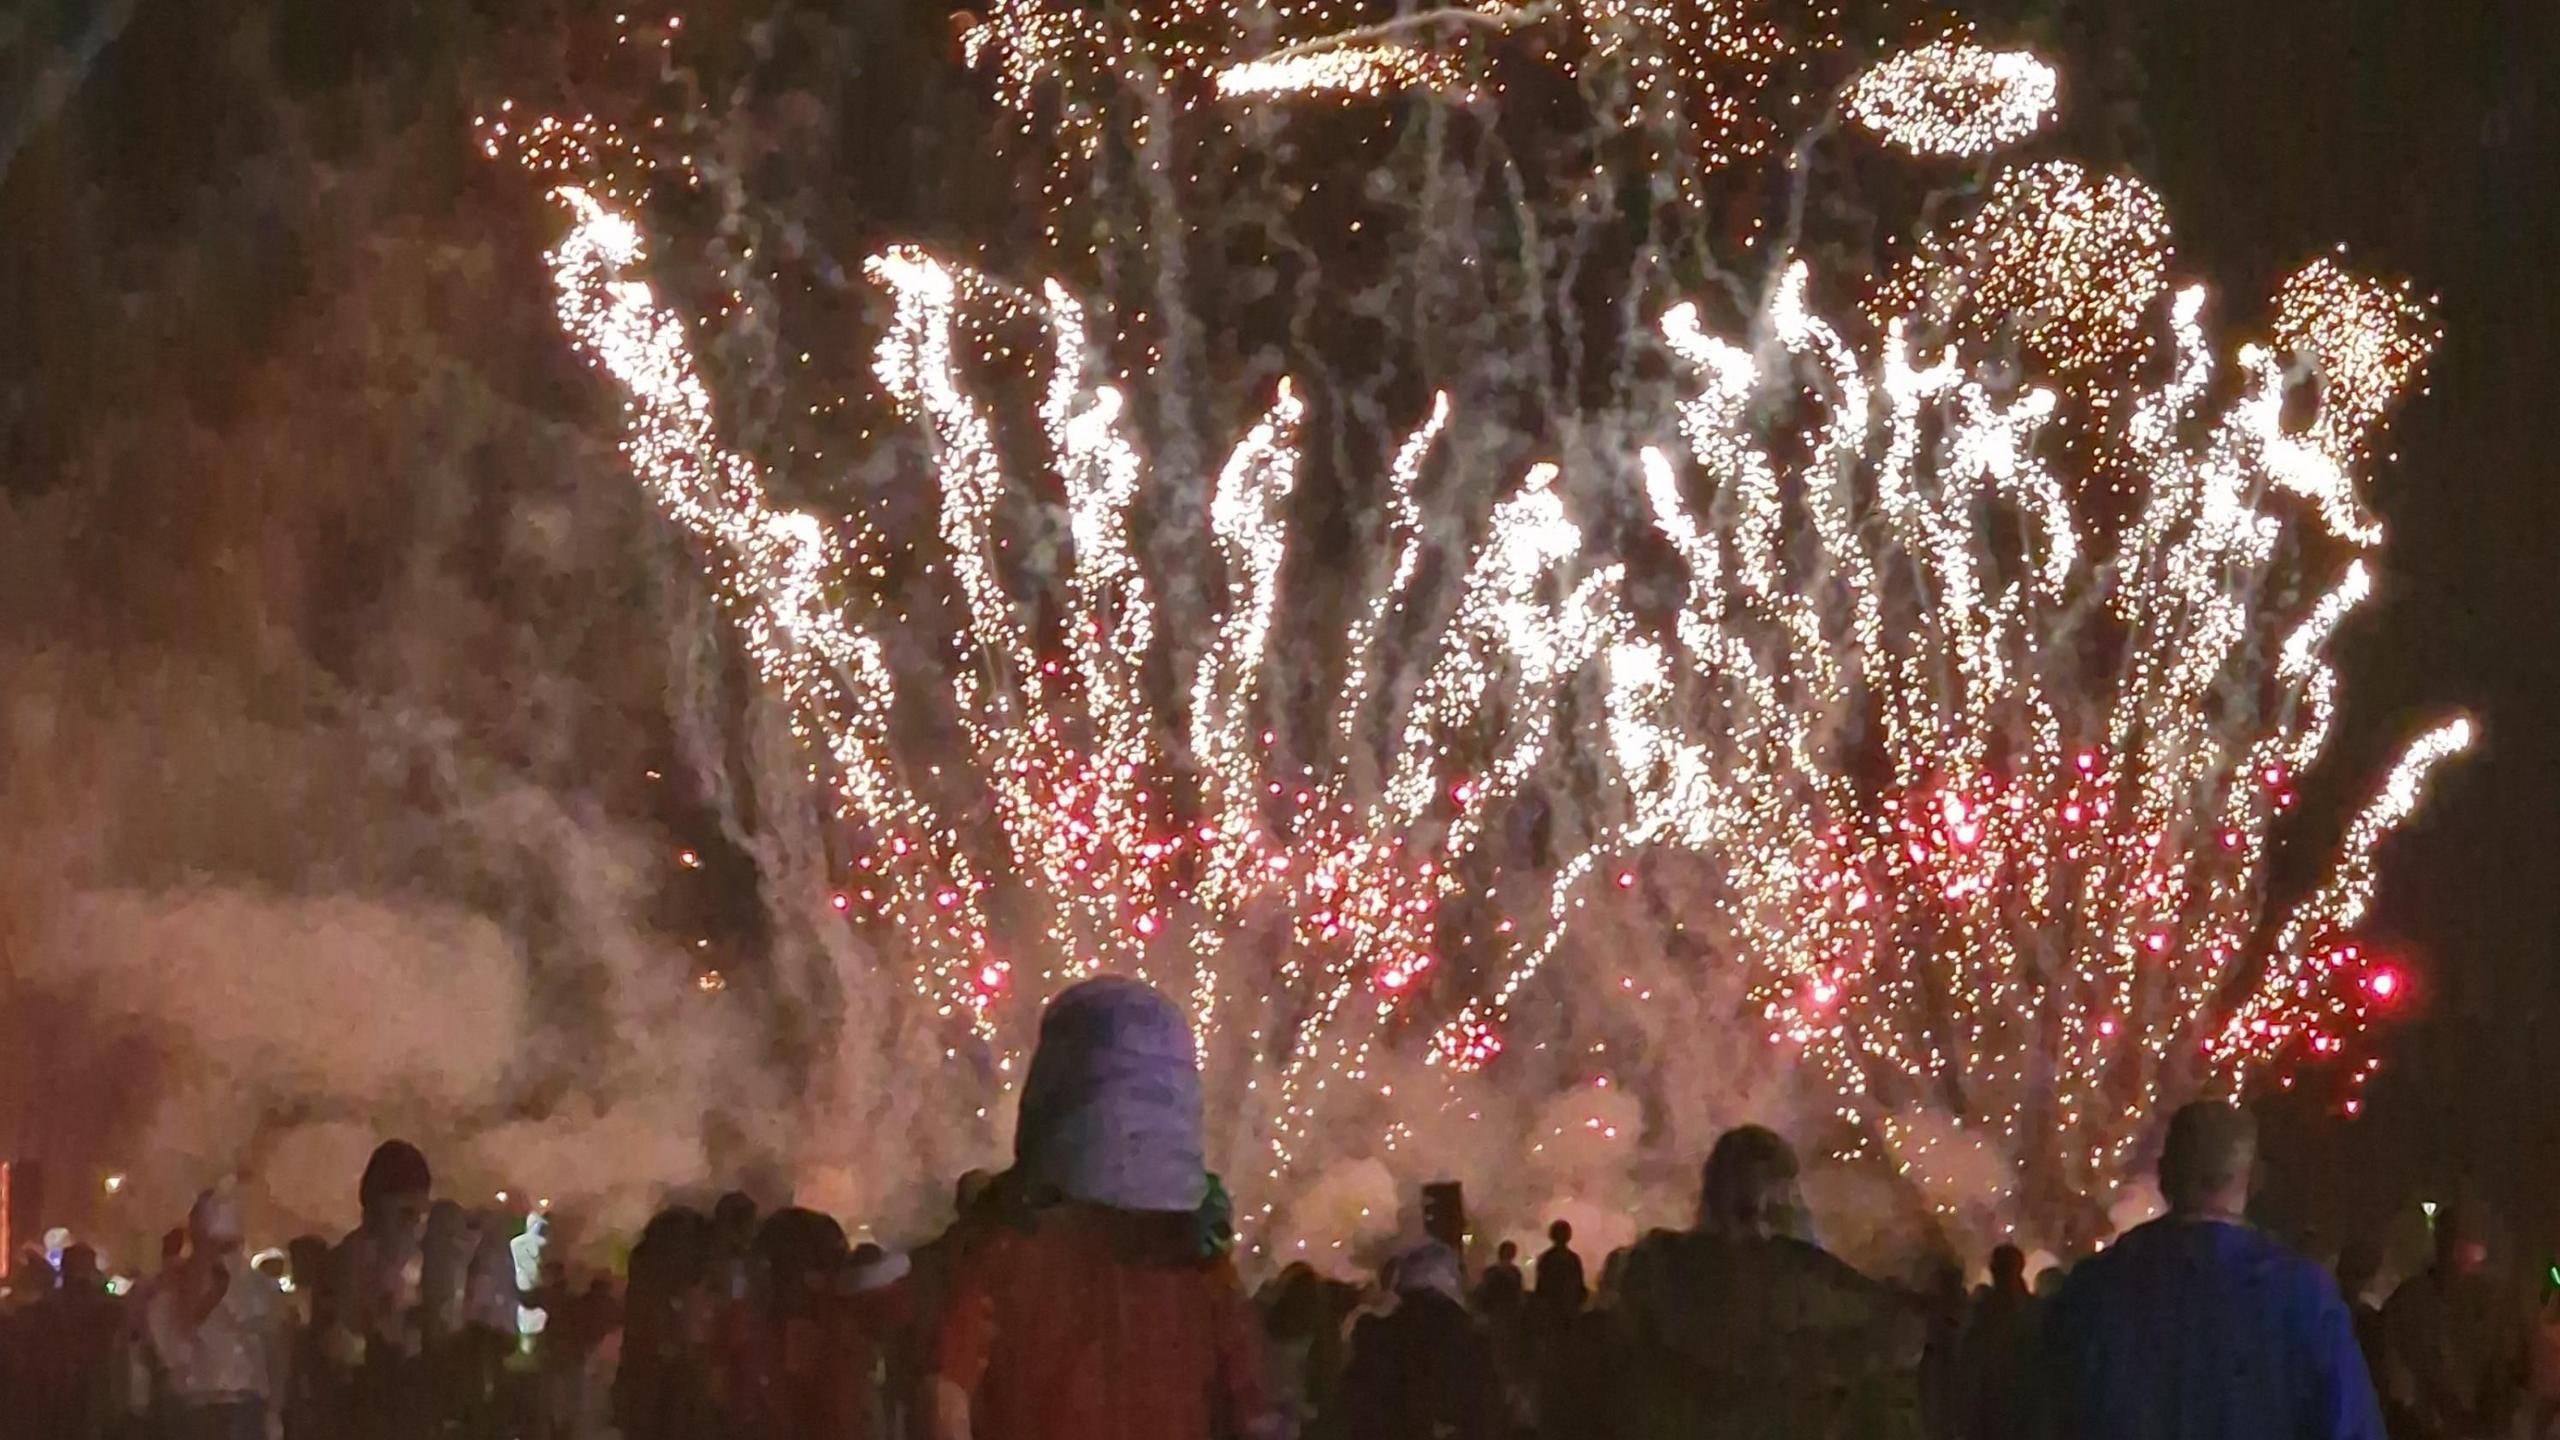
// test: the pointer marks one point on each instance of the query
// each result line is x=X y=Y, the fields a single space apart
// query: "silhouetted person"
x=662 y=1387
x=1423 y=1371
x=2359 y=1265
x=1501 y=1289
x=1742 y=1330
x=2458 y=1338
x=375 y=1344
x=65 y=1351
x=1998 y=1354
x=1562 y=1291
x=2198 y=1327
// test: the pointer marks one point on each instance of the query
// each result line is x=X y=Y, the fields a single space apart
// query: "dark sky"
x=2425 y=134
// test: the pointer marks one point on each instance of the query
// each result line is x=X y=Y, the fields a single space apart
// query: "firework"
x=1969 y=778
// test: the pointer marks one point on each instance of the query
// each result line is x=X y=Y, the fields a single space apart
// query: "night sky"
x=2424 y=134
x=2425 y=137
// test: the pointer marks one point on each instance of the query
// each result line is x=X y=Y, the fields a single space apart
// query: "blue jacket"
x=2202 y=1330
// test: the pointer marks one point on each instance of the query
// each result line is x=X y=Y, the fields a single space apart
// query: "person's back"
x=2198 y=1327
x=1423 y=1371
x=1101 y=1301
x=1561 y=1289
x=1090 y=1322
x=1750 y=1336
x=1997 y=1354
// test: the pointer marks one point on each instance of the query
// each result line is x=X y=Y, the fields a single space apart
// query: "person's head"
x=2207 y=1160
x=2009 y=1269
x=1111 y=1107
x=214 y=1225
x=393 y=1193
x=80 y=1271
x=2049 y=1281
x=1430 y=1268
x=734 y=1216
x=1508 y=1252
x=2359 y=1265
x=1749 y=1185
x=800 y=1252
x=1560 y=1233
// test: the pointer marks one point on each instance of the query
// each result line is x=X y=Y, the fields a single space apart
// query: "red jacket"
x=1097 y=1324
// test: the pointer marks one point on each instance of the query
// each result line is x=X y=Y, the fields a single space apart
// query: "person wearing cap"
x=1742 y=1327
x=217 y=1334
x=2197 y=1326
x=1103 y=1303
x=1424 y=1370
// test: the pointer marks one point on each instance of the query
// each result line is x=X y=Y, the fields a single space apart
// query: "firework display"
x=1950 y=663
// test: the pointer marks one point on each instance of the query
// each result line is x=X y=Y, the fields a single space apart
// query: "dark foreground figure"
x=2198 y=1327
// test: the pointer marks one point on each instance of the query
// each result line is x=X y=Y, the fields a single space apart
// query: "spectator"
x=64 y=1349
x=217 y=1334
x=1424 y=1371
x=374 y=1343
x=1740 y=1329
x=1501 y=1290
x=2198 y=1327
x=1561 y=1290
x=662 y=1388
x=2458 y=1338
x=1102 y=1302
x=1997 y=1356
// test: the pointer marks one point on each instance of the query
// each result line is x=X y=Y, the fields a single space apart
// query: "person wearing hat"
x=1103 y=1303
x=217 y=1334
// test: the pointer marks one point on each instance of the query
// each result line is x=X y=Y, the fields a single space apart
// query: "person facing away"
x=662 y=1382
x=1742 y=1330
x=217 y=1334
x=1562 y=1291
x=376 y=1342
x=65 y=1349
x=1996 y=1358
x=1501 y=1289
x=2458 y=1338
x=1424 y=1370
x=2197 y=1326
x=1102 y=1302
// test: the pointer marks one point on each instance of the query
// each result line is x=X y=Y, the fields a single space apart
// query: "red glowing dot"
x=2156 y=942
x=2107 y=1027
x=2355 y=1107
x=1146 y=924
x=1824 y=992
x=947 y=898
x=2383 y=983
x=1626 y=879
x=841 y=901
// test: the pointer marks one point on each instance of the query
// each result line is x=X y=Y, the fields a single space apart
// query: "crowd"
x=1090 y=1292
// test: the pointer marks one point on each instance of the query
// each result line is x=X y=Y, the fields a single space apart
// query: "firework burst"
x=1967 y=777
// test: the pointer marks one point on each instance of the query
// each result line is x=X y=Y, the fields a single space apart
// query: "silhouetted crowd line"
x=1090 y=1293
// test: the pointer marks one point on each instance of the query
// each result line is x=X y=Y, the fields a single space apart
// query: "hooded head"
x=1111 y=1109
